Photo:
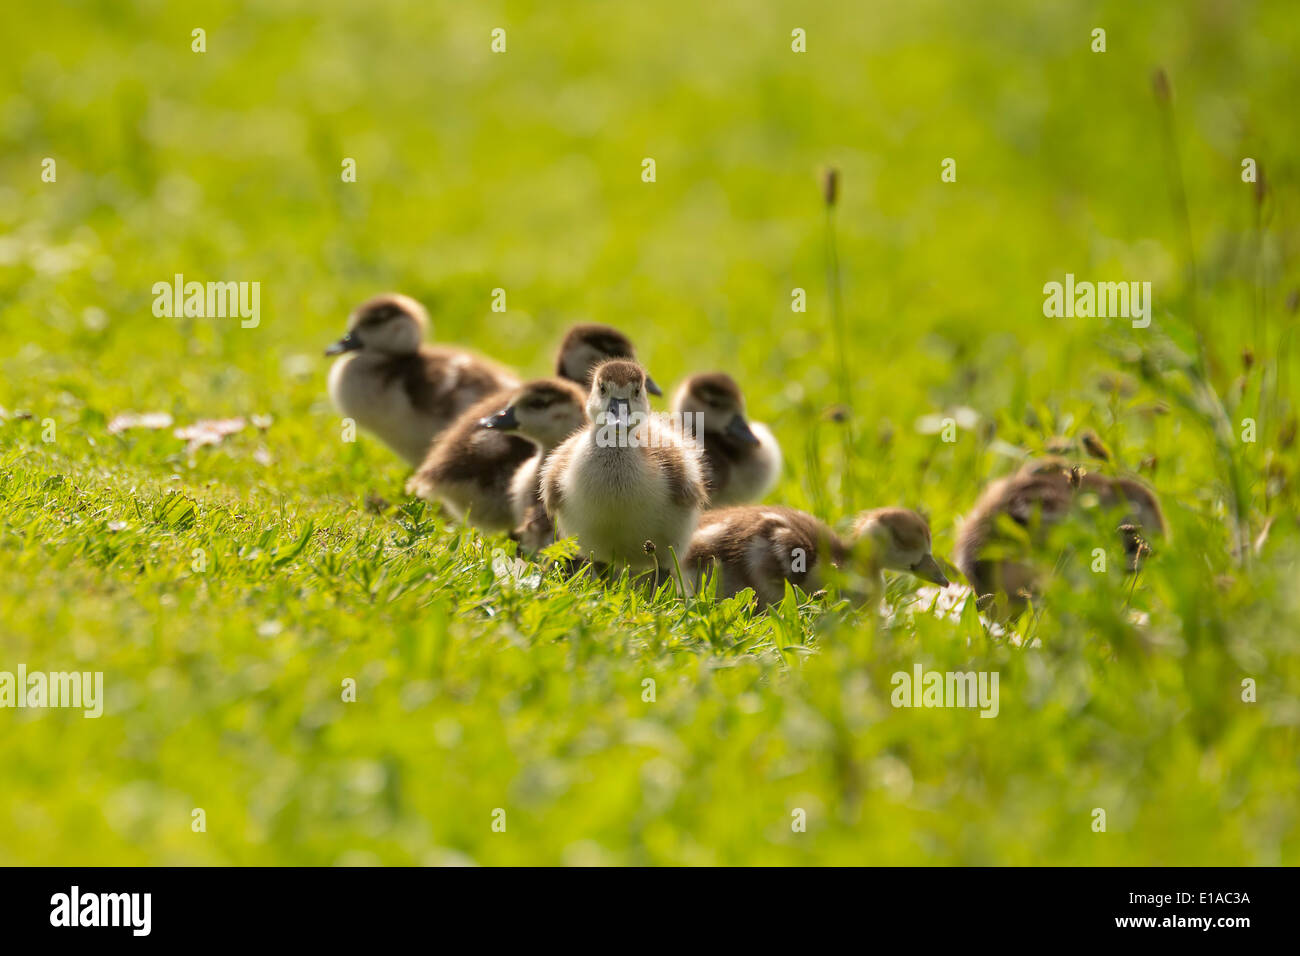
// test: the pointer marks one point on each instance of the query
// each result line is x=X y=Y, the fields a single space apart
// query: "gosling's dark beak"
x=503 y=420
x=651 y=387
x=928 y=569
x=739 y=429
x=618 y=409
x=349 y=343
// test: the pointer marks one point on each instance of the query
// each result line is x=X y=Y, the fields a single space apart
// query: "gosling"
x=471 y=466
x=583 y=348
x=1042 y=494
x=403 y=391
x=763 y=546
x=625 y=486
x=741 y=459
x=587 y=345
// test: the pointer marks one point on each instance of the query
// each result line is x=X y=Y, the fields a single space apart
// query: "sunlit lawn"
x=228 y=593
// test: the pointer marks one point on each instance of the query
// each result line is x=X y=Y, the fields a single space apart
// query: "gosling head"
x=899 y=539
x=715 y=398
x=547 y=411
x=390 y=324
x=618 y=391
x=586 y=346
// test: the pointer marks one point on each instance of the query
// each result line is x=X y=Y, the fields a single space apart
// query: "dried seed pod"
x=830 y=185
x=1094 y=446
x=1160 y=85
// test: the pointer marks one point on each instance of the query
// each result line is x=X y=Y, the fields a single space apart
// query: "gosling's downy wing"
x=442 y=382
x=680 y=467
x=553 y=470
x=758 y=544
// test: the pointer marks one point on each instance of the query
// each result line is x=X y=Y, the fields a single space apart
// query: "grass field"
x=228 y=592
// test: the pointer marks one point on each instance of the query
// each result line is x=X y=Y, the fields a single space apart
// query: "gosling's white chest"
x=359 y=391
x=614 y=501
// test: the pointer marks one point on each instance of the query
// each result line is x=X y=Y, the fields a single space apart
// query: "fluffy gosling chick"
x=741 y=459
x=403 y=391
x=587 y=345
x=625 y=479
x=1043 y=493
x=471 y=466
x=763 y=546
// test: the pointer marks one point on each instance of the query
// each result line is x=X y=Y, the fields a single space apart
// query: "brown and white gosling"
x=1042 y=494
x=764 y=546
x=471 y=466
x=625 y=479
x=584 y=347
x=402 y=390
x=741 y=459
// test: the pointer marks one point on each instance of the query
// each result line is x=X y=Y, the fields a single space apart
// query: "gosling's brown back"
x=783 y=531
x=441 y=382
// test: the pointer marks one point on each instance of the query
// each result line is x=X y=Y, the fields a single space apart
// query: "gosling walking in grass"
x=471 y=466
x=627 y=478
x=1006 y=562
x=401 y=390
x=741 y=458
x=407 y=393
x=762 y=547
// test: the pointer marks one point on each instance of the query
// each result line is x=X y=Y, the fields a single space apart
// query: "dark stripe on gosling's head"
x=544 y=392
x=608 y=341
x=618 y=372
x=385 y=308
x=715 y=388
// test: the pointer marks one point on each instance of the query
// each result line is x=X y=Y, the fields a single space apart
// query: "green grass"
x=479 y=689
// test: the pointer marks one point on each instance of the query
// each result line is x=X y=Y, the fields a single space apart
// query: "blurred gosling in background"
x=396 y=387
x=586 y=345
x=1008 y=564
x=741 y=459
